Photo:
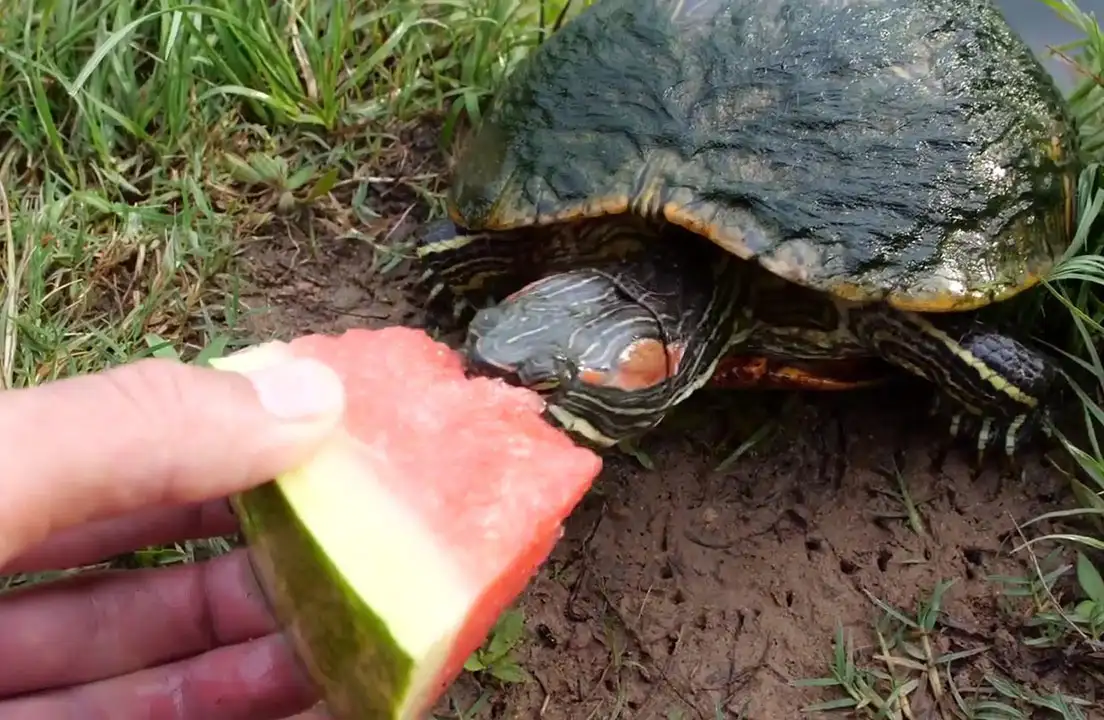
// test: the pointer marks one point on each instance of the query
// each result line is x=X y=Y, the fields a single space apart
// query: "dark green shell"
x=908 y=150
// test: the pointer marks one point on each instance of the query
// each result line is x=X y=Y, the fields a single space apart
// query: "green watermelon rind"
x=278 y=538
x=346 y=649
x=372 y=609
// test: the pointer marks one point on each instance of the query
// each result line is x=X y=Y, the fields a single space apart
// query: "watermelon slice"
x=392 y=553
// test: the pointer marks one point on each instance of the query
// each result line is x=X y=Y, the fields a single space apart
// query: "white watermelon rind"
x=355 y=581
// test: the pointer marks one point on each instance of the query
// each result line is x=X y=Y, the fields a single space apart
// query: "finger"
x=154 y=433
x=257 y=680
x=126 y=621
x=98 y=541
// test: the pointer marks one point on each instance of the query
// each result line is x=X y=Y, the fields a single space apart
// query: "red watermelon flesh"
x=391 y=555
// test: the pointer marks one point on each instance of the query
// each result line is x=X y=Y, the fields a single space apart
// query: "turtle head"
x=602 y=358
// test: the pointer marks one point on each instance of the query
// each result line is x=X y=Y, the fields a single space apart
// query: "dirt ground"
x=684 y=591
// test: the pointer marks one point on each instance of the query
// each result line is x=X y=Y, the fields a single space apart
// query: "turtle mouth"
x=481 y=367
x=478 y=366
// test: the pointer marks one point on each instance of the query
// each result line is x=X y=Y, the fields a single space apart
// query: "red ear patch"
x=642 y=365
x=675 y=354
x=595 y=377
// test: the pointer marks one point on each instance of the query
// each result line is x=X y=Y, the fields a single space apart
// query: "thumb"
x=152 y=433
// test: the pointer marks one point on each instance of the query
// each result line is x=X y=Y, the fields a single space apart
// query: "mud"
x=692 y=591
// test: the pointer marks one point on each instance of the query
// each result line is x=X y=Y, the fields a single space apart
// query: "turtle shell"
x=911 y=151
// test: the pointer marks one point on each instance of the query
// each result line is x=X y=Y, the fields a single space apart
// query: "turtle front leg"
x=994 y=387
x=441 y=250
x=462 y=270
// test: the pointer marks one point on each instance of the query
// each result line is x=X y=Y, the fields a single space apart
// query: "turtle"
x=669 y=194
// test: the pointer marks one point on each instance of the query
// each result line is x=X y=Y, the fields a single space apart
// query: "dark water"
x=1042 y=27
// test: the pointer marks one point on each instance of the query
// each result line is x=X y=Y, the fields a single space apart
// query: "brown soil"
x=684 y=591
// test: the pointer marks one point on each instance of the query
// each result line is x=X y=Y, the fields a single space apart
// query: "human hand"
x=140 y=455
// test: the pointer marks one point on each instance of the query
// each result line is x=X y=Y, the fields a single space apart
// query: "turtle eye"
x=554 y=373
x=541 y=373
x=565 y=371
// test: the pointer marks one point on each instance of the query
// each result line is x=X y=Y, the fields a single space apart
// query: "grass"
x=495 y=658
x=143 y=143
x=146 y=145
x=905 y=674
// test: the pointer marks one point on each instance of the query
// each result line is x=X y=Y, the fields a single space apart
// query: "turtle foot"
x=985 y=436
x=447 y=314
x=942 y=452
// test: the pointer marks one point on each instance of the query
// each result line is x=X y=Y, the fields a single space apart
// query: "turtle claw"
x=984 y=438
x=1015 y=468
x=977 y=467
x=982 y=432
x=964 y=427
x=939 y=457
x=991 y=435
x=946 y=441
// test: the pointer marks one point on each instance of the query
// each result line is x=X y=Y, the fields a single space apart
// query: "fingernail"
x=298 y=389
